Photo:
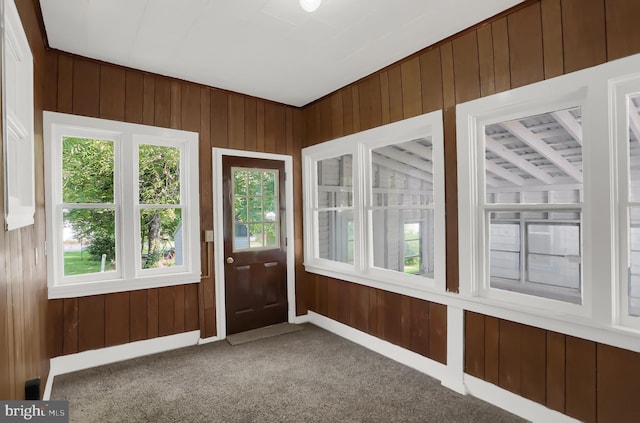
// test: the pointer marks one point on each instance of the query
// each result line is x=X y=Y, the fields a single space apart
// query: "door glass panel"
x=256 y=215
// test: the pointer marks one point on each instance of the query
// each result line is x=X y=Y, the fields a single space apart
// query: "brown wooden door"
x=254 y=243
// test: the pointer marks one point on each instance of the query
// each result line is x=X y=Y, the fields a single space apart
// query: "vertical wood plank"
x=525 y=46
x=533 y=364
x=451 y=199
x=551 y=11
x=236 y=121
x=474 y=344
x=91 y=322
x=112 y=92
x=347 y=112
x=396 y=111
x=250 y=124
x=153 y=324
x=190 y=107
x=333 y=299
x=117 y=318
x=555 y=371
x=385 y=102
x=344 y=302
x=138 y=315
x=491 y=350
x=270 y=127
x=134 y=97
x=176 y=104
x=485 y=61
x=466 y=67
x=392 y=317
x=219 y=119
x=510 y=356
x=360 y=307
x=260 y=125
x=583 y=33
x=179 y=312
x=162 y=102
x=149 y=100
x=419 y=326
x=65 y=84
x=580 y=391
x=411 y=87
x=322 y=295
x=86 y=87
x=70 y=324
x=431 y=80
x=166 y=311
x=55 y=325
x=51 y=81
x=281 y=130
x=502 y=70
x=617 y=384
x=438 y=332
x=355 y=98
x=623 y=31
x=337 y=127
x=365 y=103
x=191 y=307
x=405 y=322
x=374 y=313
x=448 y=76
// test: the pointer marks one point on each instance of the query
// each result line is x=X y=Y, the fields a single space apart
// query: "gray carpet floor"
x=305 y=376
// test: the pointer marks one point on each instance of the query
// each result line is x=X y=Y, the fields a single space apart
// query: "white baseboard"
x=387 y=349
x=298 y=320
x=87 y=359
x=513 y=403
x=209 y=340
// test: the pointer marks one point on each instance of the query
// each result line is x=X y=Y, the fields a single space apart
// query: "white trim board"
x=88 y=359
x=448 y=375
x=218 y=225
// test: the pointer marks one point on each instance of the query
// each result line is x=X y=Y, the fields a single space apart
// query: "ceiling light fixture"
x=310 y=5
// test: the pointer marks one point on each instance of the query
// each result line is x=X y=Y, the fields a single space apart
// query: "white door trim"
x=218 y=225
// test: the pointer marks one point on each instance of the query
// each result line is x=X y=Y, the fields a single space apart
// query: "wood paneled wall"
x=583 y=379
x=23 y=282
x=536 y=40
x=86 y=87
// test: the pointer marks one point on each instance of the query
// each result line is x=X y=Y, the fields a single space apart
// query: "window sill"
x=120 y=285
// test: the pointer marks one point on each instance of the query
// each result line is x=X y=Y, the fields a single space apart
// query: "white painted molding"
x=455 y=350
x=387 y=349
x=209 y=340
x=88 y=359
x=298 y=320
x=513 y=403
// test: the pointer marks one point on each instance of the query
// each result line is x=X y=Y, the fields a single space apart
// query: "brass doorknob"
x=230 y=260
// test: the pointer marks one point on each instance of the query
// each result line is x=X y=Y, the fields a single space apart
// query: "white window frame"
x=360 y=146
x=601 y=270
x=17 y=118
x=620 y=89
x=126 y=137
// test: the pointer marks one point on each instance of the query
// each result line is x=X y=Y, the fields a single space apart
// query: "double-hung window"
x=374 y=206
x=549 y=197
x=122 y=206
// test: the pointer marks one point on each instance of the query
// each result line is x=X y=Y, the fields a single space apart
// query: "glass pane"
x=161 y=238
x=552 y=254
x=403 y=174
x=634 y=147
x=89 y=241
x=335 y=182
x=334 y=240
x=634 y=262
x=403 y=240
x=256 y=209
x=87 y=170
x=535 y=159
x=159 y=174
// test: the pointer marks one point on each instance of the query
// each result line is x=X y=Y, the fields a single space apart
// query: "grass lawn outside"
x=77 y=263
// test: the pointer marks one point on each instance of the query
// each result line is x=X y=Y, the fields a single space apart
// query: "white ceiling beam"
x=634 y=123
x=406 y=158
x=505 y=174
x=528 y=137
x=569 y=123
x=418 y=150
x=401 y=168
x=502 y=151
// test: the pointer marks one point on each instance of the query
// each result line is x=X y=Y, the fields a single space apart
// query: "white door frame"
x=218 y=225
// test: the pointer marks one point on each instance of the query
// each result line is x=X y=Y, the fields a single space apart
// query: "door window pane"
x=89 y=240
x=256 y=211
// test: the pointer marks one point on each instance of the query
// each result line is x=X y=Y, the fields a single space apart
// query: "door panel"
x=254 y=243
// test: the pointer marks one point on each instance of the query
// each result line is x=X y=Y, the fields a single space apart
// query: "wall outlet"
x=208 y=236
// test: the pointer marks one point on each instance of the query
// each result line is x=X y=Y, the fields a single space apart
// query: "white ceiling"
x=265 y=48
